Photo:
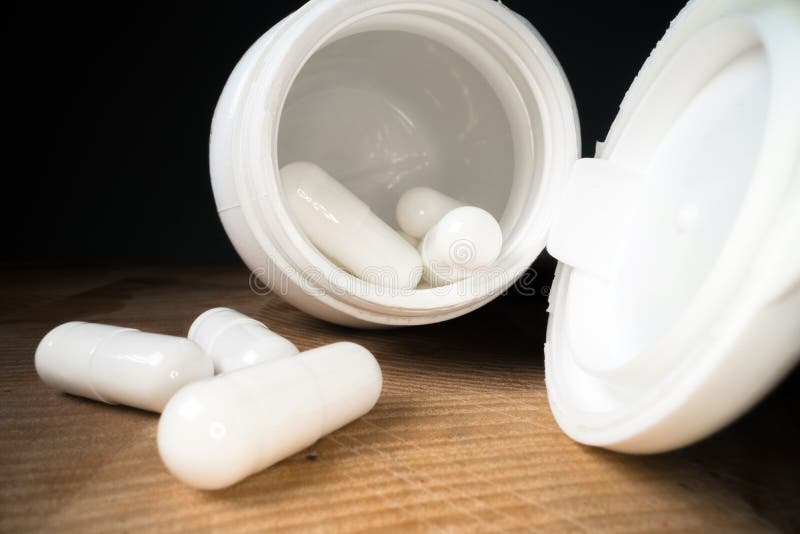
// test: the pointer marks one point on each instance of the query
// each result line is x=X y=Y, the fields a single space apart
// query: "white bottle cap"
x=676 y=302
x=119 y=365
x=234 y=340
x=215 y=432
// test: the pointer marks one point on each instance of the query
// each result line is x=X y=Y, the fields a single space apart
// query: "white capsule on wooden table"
x=234 y=340
x=119 y=365
x=216 y=432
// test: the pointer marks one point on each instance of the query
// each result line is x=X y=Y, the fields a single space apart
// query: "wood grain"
x=461 y=440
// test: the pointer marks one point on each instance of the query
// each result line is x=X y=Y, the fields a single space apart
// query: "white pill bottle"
x=676 y=304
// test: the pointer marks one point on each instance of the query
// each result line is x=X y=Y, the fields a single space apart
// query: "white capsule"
x=422 y=207
x=345 y=229
x=216 y=432
x=234 y=340
x=119 y=365
x=464 y=240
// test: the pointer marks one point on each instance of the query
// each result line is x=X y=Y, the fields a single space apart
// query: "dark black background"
x=110 y=109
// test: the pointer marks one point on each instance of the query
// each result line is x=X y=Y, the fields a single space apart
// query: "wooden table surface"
x=461 y=440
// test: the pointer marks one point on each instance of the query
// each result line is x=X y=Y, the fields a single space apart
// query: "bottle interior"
x=386 y=111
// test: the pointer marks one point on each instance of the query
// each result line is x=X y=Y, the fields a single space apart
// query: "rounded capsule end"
x=199 y=440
